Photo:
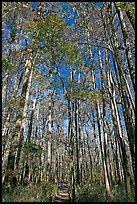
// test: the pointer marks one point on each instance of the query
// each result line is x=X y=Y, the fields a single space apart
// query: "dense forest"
x=68 y=101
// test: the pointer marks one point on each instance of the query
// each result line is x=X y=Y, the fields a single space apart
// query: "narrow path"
x=62 y=196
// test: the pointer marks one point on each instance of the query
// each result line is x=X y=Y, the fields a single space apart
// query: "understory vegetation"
x=97 y=193
x=85 y=192
x=42 y=192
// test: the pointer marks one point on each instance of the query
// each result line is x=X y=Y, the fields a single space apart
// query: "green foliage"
x=86 y=94
x=97 y=177
x=5 y=9
x=118 y=194
x=16 y=104
x=30 y=102
x=49 y=190
x=89 y=192
x=21 y=101
x=49 y=23
x=44 y=192
x=50 y=30
x=95 y=191
x=4 y=5
x=8 y=64
x=46 y=28
x=128 y=7
x=31 y=147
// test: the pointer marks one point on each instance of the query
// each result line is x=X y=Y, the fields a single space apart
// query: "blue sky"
x=64 y=70
x=69 y=21
x=34 y=4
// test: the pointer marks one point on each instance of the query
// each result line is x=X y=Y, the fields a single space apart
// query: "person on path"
x=62 y=184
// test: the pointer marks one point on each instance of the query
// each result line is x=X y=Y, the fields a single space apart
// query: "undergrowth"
x=44 y=192
x=90 y=192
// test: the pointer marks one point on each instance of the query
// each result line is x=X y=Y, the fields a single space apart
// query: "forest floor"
x=62 y=195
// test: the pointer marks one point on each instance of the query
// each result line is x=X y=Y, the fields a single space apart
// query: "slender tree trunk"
x=49 y=137
x=126 y=42
x=4 y=90
x=100 y=129
x=77 y=142
x=89 y=154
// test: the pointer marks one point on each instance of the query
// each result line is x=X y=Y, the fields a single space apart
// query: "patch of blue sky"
x=42 y=44
x=58 y=92
x=6 y=33
x=29 y=41
x=61 y=3
x=8 y=26
x=94 y=54
x=41 y=67
x=34 y=4
x=86 y=59
x=69 y=21
x=68 y=8
x=116 y=22
x=20 y=70
x=64 y=69
x=65 y=123
x=98 y=83
x=97 y=76
x=98 y=4
x=23 y=44
x=102 y=50
x=87 y=62
x=68 y=11
x=108 y=115
x=120 y=108
x=110 y=56
x=57 y=86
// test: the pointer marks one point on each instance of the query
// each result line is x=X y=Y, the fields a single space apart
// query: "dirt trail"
x=62 y=196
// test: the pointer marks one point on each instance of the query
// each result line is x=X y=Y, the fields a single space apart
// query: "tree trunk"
x=17 y=132
x=126 y=42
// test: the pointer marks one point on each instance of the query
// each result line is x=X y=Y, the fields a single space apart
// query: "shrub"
x=43 y=192
x=89 y=193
